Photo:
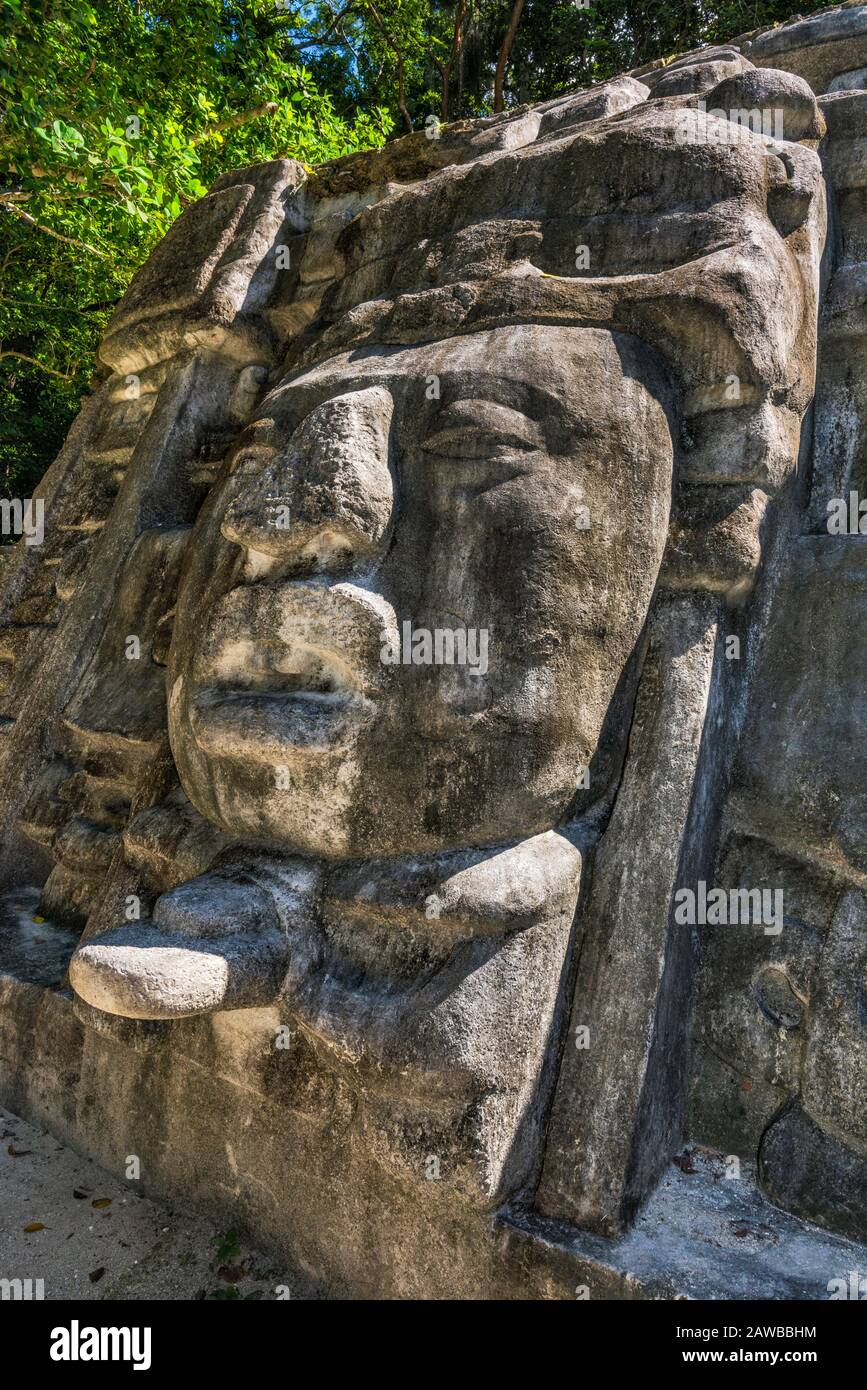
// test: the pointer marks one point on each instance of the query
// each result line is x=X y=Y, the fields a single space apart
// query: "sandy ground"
x=64 y=1220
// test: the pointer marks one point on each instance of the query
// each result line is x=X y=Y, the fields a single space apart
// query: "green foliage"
x=561 y=47
x=114 y=117
x=228 y=1247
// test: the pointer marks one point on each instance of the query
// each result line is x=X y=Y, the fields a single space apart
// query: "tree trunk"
x=457 y=44
x=505 y=51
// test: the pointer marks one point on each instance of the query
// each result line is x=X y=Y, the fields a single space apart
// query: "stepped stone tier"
x=434 y=810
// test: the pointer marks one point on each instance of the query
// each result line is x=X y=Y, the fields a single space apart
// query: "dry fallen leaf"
x=100 y=1202
x=33 y=1226
x=684 y=1162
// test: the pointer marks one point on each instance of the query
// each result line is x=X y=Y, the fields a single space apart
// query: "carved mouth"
x=269 y=696
x=294 y=668
x=266 y=726
x=287 y=668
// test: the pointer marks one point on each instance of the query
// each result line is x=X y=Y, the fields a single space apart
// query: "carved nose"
x=327 y=498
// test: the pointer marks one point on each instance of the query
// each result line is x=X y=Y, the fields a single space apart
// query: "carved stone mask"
x=408 y=606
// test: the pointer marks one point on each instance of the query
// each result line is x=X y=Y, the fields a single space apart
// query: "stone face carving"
x=454 y=541
x=461 y=513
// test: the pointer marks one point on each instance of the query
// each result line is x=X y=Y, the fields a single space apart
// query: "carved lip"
x=304 y=665
x=266 y=726
x=283 y=667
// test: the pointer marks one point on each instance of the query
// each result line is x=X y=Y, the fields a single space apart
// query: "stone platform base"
x=298 y=1185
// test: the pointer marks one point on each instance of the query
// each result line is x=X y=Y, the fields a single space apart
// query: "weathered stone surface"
x=817 y=48
x=795 y=113
x=381 y=758
x=780 y=1017
x=805 y=1169
x=615 y=1117
x=855 y=80
x=422 y=612
x=699 y=77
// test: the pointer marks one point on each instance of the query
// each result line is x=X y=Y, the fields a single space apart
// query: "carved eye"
x=466 y=443
x=480 y=429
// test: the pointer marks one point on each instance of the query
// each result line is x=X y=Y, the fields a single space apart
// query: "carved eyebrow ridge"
x=464 y=418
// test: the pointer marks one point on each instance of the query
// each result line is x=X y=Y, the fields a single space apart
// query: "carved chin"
x=310 y=813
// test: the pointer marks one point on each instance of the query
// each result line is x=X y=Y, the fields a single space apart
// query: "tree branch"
x=86 y=78
x=10 y=252
x=401 y=96
x=49 y=231
x=21 y=197
x=43 y=308
x=34 y=362
x=323 y=38
x=457 y=44
x=267 y=108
